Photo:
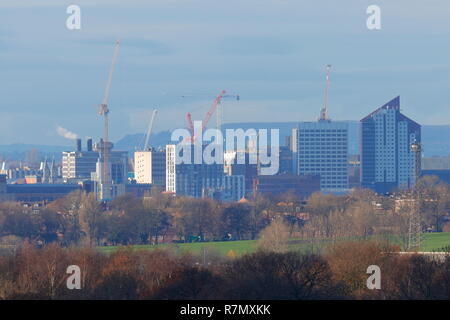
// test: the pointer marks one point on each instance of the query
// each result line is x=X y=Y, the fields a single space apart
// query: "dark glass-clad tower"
x=388 y=161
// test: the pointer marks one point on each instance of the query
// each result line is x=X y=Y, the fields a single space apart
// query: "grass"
x=435 y=241
x=220 y=247
x=431 y=242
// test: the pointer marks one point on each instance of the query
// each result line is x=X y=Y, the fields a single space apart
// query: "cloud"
x=63 y=132
x=272 y=52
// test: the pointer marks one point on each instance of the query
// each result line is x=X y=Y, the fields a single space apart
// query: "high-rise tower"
x=388 y=160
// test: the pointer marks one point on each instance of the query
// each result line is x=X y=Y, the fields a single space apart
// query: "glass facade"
x=387 y=161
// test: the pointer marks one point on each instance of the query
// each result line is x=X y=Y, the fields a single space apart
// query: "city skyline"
x=171 y=49
x=235 y=154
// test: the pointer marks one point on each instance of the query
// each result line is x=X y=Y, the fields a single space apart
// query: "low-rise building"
x=302 y=186
x=39 y=192
x=189 y=178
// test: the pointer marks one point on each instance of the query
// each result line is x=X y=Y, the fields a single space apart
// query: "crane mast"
x=150 y=128
x=104 y=110
x=324 y=110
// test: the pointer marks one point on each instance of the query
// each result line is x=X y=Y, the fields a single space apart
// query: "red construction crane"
x=209 y=114
x=212 y=109
x=190 y=125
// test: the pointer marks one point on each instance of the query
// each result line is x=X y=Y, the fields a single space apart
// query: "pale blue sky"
x=271 y=52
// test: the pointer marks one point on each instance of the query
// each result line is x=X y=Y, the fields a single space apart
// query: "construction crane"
x=150 y=128
x=324 y=110
x=190 y=125
x=104 y=110
x=207 y=116
x=212 y=109
x=210 y=112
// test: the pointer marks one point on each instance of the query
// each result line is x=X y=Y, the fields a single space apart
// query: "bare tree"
x=274 y=237
x=88 y=216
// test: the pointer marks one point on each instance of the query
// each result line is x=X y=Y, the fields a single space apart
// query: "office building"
x=34 y=192
x=233 y=188
x=138 y=190
x=388 y=158
x=248 y=170
x=301 y=186
x=19 y=174
x=285 y=160
x=150 y=167
x=191 y=179
x=322 y=149
x=79 y=164
x=114 y=185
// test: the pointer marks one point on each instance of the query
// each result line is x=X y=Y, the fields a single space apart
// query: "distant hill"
x=19 y=151
x=20 y=147
x=435 y=140
x=132 y=142
x=286 y=130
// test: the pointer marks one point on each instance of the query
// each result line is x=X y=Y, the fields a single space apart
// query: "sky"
x=272 y=53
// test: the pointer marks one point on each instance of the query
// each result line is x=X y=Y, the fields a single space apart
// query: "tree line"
x=78 y=219
x=339 y=273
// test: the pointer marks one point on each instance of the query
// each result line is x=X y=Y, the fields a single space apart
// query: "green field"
x=431 y=242
x=435 y=241
x=222 y=247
